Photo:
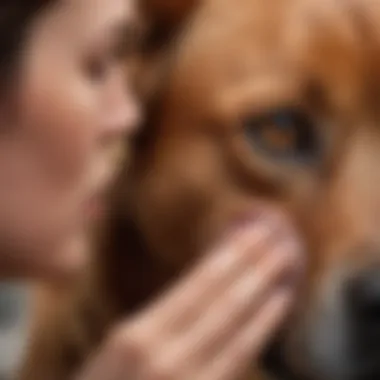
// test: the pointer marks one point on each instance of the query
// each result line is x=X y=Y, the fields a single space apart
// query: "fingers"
x=238 y=303
x=175 y=313
x=251 y=339
x=214 y=273
x=217 y=319
x=225 y=292
x=224 y=265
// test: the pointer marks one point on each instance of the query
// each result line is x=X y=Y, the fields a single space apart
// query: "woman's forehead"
x=94 y=14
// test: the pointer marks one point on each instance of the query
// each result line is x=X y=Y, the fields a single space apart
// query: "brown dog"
x=271 y=102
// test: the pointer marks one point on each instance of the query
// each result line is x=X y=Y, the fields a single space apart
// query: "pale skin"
x=69 y=110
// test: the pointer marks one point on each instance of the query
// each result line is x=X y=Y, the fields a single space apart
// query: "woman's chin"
x=72 y=257
x=64 y=263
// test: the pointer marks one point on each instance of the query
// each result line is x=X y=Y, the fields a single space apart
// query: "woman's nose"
x=123 y=111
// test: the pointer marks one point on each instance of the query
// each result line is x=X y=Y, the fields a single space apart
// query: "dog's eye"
x=284 y=134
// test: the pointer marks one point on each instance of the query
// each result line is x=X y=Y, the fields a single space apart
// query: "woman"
x=64 y=106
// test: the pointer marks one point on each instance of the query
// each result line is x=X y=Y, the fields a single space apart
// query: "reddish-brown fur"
x=196 y=172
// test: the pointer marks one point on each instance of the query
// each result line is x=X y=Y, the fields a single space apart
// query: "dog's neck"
x=127 y=273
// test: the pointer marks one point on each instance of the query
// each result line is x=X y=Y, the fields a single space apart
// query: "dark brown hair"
x=16 y=16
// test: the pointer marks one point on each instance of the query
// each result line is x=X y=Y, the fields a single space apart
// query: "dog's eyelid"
x=268 y=112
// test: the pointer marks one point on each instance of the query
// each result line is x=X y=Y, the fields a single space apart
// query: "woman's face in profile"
x=70 y=107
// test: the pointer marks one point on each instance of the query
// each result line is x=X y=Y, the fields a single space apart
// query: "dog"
x=271 y=103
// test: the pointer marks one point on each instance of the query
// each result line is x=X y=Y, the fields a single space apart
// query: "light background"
x=13 y=327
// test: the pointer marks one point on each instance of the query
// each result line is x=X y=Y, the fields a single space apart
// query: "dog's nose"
x=364 y=324
x=364 y=303
x=364 y=296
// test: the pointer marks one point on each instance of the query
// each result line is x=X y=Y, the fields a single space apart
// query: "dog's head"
x=276 y=103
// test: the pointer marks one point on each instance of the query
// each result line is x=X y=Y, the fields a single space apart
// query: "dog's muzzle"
x=363 y=314
x=341 y=341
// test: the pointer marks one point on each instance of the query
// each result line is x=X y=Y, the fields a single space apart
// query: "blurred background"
x=14 y=314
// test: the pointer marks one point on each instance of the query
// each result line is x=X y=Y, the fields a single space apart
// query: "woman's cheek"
x=64 y=131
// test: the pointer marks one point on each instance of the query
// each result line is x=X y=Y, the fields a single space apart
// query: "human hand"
x=217 y=319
